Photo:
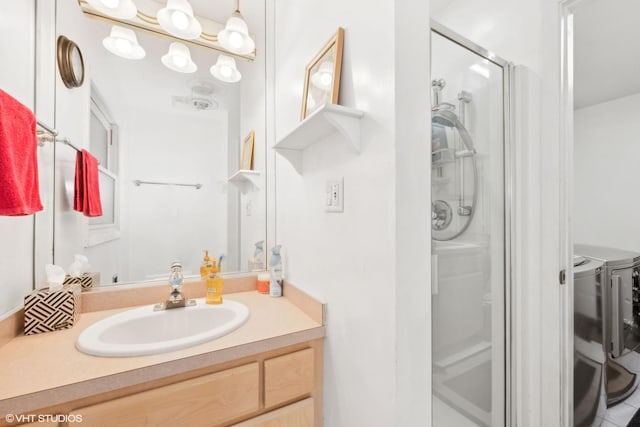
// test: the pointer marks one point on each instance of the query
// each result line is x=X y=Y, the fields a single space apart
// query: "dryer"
x=621 y=317
x=590 y=402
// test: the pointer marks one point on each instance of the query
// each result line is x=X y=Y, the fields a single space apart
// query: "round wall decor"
x=70 y=63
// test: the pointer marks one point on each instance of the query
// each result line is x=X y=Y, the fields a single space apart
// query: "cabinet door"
x=209 y=401
x=288 y=377
x=299 y=414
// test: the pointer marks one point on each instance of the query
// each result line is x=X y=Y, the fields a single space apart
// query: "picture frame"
x=246 y=160
x=322 y=76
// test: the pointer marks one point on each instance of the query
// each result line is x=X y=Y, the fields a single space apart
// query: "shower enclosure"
x=468 y=218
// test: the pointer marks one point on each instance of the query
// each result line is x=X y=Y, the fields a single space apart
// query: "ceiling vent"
x=201 y=98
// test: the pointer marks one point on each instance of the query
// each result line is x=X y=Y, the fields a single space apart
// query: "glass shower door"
x=468 y=233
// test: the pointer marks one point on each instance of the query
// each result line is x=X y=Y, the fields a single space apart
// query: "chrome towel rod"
x=138 y=182
x=47 y=128
x=51 y=135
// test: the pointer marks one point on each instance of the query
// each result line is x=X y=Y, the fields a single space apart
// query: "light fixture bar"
x=149 y=24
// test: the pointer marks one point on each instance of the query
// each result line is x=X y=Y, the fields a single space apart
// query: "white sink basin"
x=142 y=331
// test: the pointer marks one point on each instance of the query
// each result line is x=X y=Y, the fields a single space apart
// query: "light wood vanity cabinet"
x=281 y=388
x=288 y=377
x=204 y=401
x=299 y=414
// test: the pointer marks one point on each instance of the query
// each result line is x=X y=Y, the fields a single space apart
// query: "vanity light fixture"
x=179 y=59
x=177 y=19
x=123 y=42
x=323 y=78
x=235 y=36
x=225 y=70
x=120 y=9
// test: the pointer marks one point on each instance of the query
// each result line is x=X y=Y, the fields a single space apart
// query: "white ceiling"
x=606 y=50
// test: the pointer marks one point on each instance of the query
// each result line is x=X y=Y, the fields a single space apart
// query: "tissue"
x=79 y=266
x=55 y=277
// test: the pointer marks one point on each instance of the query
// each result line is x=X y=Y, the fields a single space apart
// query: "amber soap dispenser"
x=206 y=266
x=215 y=286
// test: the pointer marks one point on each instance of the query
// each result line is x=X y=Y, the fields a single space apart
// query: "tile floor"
x=621 y=414
x=616 y=416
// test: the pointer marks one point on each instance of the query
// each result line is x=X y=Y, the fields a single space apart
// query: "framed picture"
x=322 y=78
x=246 y=161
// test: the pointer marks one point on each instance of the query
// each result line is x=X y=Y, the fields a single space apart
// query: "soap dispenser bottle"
x=206 y=266
x=275 y=272
x=215 y=286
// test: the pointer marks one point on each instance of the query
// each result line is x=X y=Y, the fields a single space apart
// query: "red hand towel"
x=91 y=204
x=78 y=192
x=19 y=187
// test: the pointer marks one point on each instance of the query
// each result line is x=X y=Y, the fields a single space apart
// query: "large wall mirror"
x=167 y=143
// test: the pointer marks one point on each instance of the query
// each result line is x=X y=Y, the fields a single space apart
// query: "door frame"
x=566 y=146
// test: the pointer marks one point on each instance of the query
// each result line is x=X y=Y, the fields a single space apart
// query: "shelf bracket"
x=349 y=128
x=293 y=156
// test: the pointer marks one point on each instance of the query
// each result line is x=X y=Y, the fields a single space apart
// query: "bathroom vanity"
x=267 y=372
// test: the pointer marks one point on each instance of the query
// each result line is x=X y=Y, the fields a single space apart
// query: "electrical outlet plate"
x=335 y=195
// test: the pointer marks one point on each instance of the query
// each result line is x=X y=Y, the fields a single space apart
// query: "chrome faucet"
x=176 y=299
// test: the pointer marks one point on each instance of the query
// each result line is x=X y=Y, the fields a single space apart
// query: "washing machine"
x=590 y=402
x=621 y=317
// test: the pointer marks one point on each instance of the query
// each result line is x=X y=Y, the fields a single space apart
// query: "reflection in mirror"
x=167 y=136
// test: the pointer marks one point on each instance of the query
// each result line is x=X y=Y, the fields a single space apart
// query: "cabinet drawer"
x=288 y=377
x=299 y=414
x=209 y=400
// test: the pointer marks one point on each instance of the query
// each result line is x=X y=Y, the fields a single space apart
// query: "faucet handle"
x=175 y=278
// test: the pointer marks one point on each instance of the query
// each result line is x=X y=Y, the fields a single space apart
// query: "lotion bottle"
x=275 y=269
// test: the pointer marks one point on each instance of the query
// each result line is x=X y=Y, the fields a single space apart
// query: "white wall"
x=17 y=41
x=346 y=259
x=349 y=259
x=606 y=154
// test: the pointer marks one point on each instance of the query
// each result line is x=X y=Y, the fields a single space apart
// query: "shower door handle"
x=617 y=323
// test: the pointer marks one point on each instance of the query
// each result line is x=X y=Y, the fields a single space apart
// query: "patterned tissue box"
x=87 y=280
x=46 y=311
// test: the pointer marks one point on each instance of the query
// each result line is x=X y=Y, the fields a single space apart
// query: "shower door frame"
x=509 y=160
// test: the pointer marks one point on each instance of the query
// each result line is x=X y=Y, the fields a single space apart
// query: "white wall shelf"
x=327 y=119
x=245 y=180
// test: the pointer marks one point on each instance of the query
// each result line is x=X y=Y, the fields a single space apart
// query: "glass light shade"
x=235 y=36
x=225 y=70
x=179 y=59
x=120 y=9
x=123 y=42
x=323 y=78
x=111 y=3
x=177 y=19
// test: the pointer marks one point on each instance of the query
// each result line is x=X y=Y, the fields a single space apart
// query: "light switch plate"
x=335 y=195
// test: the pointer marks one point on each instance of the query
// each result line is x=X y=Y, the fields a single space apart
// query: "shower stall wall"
x=469 y=219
